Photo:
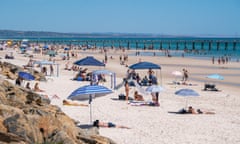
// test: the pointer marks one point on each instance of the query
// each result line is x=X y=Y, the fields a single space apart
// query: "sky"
x=170 y=17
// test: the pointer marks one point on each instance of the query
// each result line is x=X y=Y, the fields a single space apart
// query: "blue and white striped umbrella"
x=84 y=92
x=87 y=92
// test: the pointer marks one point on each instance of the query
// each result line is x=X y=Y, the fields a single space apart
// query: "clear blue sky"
x=176 y=17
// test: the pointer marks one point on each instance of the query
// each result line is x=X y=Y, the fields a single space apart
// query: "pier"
x=142 y=44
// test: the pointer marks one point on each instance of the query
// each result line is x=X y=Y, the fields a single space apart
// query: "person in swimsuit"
x=98 y=124
x=127 y=88
x=191 y=110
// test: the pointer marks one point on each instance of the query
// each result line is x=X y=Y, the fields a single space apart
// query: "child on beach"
x=138 y=97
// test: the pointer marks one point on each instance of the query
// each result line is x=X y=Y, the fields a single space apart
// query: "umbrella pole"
x=90 y=102
x=90 y=113
x=186 y=106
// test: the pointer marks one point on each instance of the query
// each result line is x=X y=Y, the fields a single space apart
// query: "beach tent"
x=107 y=72
x=89 y=61
x=146 y=65
x=45 y=62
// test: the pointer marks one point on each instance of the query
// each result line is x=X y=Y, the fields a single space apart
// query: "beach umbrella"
x=186 y=93
x=215 y=76
x=154 y=88
x=45 y=47
x=66 y=49
x=83 y=92
x=89 y=61
x=89 y=91
x=26 y=75
x=177 y=73
x=212 y=86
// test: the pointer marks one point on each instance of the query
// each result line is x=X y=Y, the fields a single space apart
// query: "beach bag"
x=121 y=97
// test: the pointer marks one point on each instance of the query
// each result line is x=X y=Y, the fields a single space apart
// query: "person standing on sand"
x=185 y=76
x=51 y=70
x=126 y=90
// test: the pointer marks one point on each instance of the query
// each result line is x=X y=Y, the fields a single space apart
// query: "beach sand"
x=151 y=125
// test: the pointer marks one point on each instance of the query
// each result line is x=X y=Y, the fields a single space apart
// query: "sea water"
x=203 y=48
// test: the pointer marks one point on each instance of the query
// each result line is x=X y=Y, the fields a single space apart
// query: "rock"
x=11 y=138
x=26 y=117
x=11 y=71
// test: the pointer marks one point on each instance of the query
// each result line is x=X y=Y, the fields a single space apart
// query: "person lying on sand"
x=191 y=110
x=98 y=124
x=72 y=103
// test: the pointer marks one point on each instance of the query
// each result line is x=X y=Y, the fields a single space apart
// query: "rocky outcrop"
x=26 y=117
x=11 y=71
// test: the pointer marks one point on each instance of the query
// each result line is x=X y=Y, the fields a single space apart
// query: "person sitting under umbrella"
x=98 y=124
x=138 y=97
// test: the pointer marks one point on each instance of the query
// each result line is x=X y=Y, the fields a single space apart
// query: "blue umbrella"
x=45 y=47
x=26 y=75
x=66 y=49
x=83 y=93
x=89 y=90
x=215 y=76
x=186 y=93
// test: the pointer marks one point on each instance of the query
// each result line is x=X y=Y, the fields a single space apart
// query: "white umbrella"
x=177 y=73
x=154 y=88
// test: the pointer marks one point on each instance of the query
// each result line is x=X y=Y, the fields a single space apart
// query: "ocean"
x=196 y=47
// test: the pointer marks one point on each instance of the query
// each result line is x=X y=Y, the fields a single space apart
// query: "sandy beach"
x=152 y=125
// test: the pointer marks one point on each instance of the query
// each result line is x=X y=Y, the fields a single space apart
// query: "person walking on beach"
x=51 y=70
x=213 y=60
x=185 y=76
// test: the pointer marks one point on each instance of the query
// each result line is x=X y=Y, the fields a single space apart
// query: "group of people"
x=139 y=97
x=149 y=79
x=36 y=88
x=45 y=71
